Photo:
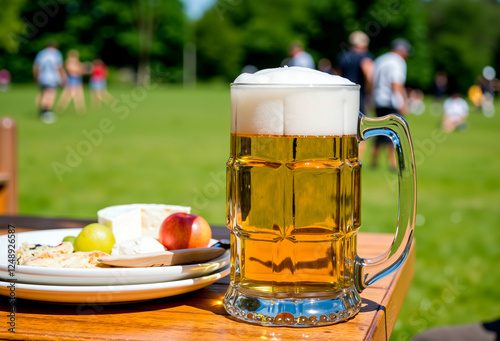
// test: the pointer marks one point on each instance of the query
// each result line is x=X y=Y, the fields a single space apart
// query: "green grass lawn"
x=170 y=145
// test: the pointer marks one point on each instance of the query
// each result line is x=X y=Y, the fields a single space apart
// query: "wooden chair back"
x=8 y=166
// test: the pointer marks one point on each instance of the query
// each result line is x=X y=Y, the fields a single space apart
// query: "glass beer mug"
x=293 y=198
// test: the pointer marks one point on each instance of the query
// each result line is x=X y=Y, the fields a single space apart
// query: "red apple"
x=184 y=231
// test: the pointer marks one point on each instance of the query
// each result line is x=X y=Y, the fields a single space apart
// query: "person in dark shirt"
x=356 y=64
x=440 y=86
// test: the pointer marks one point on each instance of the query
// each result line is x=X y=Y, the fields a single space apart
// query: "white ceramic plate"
x=90 y=295
x=94 y=276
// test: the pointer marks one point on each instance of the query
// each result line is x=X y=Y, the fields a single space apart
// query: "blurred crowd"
x=382 y=81
x=383 y=87
x=51 y=72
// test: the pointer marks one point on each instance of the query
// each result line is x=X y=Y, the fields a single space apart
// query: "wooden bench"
x=8 y=166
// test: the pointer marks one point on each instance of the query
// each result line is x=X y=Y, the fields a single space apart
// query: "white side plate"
x=90 y=295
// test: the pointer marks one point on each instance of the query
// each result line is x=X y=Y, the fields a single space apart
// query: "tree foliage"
x=120 y=33
x=11 y=24
x=465 y=37
x=219 y=45
x=459 y=37
x=267 y=29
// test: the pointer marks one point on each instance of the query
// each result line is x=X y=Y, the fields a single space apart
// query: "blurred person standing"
x=299 y=57
x=356 y=64
x=325 y=65
x=456 y=110
x=439 y=90
x=416 y=103
x=49 y=74
x=475 y=95
x=487 y=82
x=73 y=89
x=389 y=93
x=98 y=84
x=4 y=80
x=440 y=86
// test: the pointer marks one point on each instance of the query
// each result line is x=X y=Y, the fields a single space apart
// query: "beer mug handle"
x=368 y=271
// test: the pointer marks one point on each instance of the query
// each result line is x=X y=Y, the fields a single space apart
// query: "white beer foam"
x=291 y=75
x=285 y=101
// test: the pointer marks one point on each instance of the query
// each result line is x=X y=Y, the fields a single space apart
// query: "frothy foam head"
x=291 y=75
x=294 y=101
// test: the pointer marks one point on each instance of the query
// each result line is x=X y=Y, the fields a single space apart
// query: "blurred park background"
x=165 y=136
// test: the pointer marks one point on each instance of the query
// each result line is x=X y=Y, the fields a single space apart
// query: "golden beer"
x=293 y=198
x=293 y=207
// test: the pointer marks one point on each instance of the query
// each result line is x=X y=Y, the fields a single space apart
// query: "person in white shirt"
x=456 y=110
x=299 y=57
x=389 y=92
x=49 y=74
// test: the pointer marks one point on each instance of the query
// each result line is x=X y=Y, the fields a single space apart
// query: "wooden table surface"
x=198 y=315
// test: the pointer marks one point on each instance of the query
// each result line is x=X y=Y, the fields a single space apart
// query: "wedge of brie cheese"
x=136 y=220
x=136 y=246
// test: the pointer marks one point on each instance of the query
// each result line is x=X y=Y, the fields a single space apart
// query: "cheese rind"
x=136 y=220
